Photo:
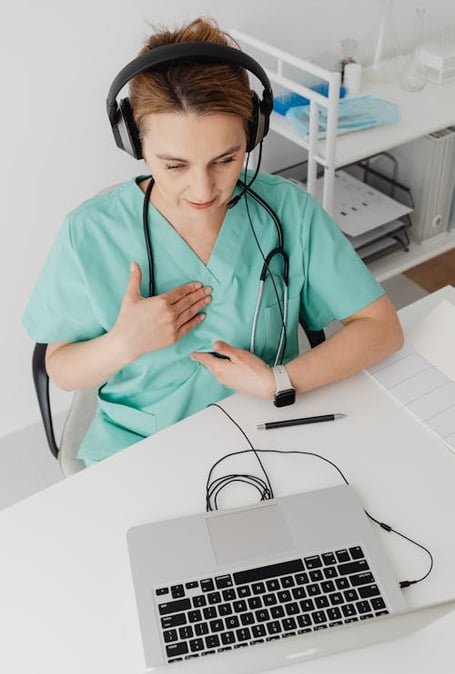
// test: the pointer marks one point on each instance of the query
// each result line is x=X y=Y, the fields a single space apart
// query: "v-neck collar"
x=220 y=267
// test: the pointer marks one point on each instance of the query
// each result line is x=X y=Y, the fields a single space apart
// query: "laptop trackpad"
x=250 y=533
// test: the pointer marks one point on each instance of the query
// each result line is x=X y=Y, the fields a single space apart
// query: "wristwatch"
x=285 y=392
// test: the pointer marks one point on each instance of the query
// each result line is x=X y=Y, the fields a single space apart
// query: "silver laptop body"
x=285 y=568
x=299 y=649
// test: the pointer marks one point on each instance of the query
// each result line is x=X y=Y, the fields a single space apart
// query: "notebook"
x=214 y=586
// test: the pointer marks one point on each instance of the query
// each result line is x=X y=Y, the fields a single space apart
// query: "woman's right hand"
x=143 y=324
x=150 y=323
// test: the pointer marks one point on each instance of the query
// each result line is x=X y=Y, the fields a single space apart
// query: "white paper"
x=358 y=207
x=434 y=337
x=421 y=376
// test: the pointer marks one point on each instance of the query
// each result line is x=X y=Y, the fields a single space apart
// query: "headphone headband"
x=121 y=116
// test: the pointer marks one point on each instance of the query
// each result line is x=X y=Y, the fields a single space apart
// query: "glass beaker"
x=414 y=73
x=387 y=60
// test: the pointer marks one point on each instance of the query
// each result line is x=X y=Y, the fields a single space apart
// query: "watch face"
x=283 y=398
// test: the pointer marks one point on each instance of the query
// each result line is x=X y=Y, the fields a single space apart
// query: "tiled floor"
x=27 y=466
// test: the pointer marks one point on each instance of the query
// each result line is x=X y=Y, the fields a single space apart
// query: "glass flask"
x=387 y=61
x=414 y=73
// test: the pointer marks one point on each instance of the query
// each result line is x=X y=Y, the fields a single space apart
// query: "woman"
x=155 y=356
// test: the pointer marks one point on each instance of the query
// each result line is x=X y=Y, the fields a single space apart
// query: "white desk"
x=66 y=596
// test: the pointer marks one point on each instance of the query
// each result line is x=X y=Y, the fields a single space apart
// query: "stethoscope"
x=276 y=252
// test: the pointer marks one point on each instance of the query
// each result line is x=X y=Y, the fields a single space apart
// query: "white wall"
x=57 y=61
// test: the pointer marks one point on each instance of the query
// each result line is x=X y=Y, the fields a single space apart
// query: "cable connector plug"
x=385 y=526
x=407 y=583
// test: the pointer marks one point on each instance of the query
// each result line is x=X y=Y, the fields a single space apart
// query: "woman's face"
x=195 y=161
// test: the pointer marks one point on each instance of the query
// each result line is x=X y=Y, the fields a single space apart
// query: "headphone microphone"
x=235 y=200
x=246 y=186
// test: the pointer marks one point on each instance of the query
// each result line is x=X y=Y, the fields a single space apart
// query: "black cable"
x=264 y=487
x=268 y=485
x=243 y=183
x=388 y=528
x=219 y=484
x=148 y=245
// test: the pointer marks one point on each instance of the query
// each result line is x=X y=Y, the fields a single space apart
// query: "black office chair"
x=315 y=337
x=83 y=408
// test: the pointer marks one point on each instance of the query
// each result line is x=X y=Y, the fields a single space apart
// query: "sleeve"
x=60 y=307
x=337 y=282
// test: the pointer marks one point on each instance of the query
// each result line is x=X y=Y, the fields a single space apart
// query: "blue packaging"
x=281 y=104
x=354 y=114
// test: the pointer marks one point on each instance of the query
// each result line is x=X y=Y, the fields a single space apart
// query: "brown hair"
x=191 y=87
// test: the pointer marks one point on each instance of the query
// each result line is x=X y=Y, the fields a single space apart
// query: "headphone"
x=120 y=113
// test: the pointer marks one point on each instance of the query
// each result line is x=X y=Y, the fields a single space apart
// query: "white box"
x=439 y=58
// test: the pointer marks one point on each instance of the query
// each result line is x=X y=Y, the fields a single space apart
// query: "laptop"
x=257 y=587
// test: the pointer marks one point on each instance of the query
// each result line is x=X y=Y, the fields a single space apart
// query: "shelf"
x=422 y=112
x=395 y=263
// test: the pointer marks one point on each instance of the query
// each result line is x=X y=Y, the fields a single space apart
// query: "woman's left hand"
x=239 y=370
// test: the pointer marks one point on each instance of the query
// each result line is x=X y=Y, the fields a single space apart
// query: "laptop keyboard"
x=269 y=602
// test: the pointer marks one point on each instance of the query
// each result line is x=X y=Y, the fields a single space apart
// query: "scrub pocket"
x=115 y=427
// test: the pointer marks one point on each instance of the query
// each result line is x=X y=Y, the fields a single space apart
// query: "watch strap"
x=282 y=381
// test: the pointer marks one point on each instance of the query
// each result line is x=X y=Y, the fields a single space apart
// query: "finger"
x=190 y=325
x=209 y=360
x=225 y=349
x=177 y=294
x=189 y=306
x=201 y=357
x=133 y=288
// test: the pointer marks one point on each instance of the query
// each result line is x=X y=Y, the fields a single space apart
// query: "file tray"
x=359 y=208
x=374 y=223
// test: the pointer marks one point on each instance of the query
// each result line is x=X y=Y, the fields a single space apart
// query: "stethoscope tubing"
x=279 y=250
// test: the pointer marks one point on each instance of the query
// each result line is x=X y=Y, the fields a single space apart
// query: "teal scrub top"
x=79 y=292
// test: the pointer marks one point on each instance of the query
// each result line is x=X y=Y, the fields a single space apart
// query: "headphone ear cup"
x=126 y=132
x=258 y=125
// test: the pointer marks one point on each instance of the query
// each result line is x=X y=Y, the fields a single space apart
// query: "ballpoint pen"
x=301 y=421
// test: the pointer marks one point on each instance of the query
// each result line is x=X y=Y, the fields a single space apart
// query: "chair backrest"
x=41 y=381
x=315 y=337
x=80 y=415
x=78 y=419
